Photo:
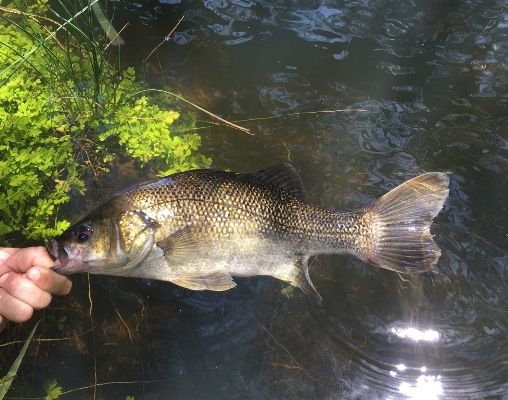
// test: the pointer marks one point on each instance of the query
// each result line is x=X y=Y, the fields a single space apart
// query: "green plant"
x=288 y=291
x=53 y=390
x=66 y=111
x=6 y=381
x=142 y=129
x=58 y=322
x=37 y=169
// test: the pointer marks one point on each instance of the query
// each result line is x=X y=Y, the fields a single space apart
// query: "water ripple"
x=433 y=81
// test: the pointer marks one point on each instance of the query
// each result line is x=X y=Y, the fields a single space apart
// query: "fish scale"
x=199 y=228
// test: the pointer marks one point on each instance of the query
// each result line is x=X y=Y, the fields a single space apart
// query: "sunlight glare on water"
x=427 y=387
x=431 y=79
x=428 y=335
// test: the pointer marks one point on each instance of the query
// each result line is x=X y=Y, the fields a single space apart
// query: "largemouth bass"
x=200 y=228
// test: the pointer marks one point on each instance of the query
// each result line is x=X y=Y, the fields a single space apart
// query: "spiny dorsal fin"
x=282 y=176
x=217 y=281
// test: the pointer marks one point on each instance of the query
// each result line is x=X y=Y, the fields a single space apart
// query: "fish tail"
x=400 y=238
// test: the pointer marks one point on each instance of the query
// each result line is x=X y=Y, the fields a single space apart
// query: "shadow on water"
x=432 y=78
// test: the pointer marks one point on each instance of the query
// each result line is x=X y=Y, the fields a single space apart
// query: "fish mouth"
x=52 y=247
x=59 y=254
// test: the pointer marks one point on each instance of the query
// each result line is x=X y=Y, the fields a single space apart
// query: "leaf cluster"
x=53 y=390
x=66 y=112
x=144 y=131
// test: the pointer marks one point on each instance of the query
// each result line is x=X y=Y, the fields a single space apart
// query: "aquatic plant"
x=66 y=111
x=53 y=390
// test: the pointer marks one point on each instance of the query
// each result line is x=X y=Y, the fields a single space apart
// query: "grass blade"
x=224 y=121
x=108 y=28
x=50 y=36
x=6 y=381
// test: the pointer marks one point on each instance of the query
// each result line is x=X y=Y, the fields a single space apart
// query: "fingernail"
x=33 y=274
x=4 y=255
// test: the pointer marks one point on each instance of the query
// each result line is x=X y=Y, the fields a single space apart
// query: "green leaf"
x=61 y=104
x=53 y=390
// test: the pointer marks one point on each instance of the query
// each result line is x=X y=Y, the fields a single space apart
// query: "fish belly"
x=234 y=257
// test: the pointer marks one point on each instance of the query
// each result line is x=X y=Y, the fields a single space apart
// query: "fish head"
x=84 y=247
x=110 y=246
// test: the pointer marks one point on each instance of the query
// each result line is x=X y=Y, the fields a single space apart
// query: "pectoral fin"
x=182 y=245
x=217 y=281
x=187 y=244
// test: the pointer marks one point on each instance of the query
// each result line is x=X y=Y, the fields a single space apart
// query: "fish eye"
x=83 y=232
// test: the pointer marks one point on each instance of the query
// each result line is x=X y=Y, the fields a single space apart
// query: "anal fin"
x=301 y=279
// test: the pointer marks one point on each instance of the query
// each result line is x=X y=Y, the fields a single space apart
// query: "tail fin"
x=401 y=238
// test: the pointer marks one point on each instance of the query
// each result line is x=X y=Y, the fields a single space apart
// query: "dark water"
x=432 y=77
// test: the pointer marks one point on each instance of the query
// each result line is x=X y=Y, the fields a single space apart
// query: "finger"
x=49 y=280
x=5 y=253
x=21 y=288
x=23 y=259
x=20 y=259
x=14 y=309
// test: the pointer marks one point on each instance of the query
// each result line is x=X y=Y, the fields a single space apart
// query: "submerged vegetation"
x=66 y=111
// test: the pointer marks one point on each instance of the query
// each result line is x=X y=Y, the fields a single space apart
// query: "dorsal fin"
x=282 y=176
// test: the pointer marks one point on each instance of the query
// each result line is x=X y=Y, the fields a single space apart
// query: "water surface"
x=432 y=79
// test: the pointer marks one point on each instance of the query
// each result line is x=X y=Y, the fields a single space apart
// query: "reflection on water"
x=427 y=387
x=428 y=335
x=432 y=79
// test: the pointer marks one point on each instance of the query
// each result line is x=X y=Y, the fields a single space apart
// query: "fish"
x=200 y=228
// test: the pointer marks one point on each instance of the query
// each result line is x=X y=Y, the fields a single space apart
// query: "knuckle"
x=56 y=283
x=8 y=280
x=24 y=313
x=12 y=309
x=47 y=280
x=43 y=301
x=3 y=278
x=13 y=283
x=40 y=251
x=41 y=254
x=67 y=286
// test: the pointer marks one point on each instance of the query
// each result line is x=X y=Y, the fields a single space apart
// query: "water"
x=432 y=78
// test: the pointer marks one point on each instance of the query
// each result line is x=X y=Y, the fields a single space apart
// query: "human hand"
x=27 y=283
